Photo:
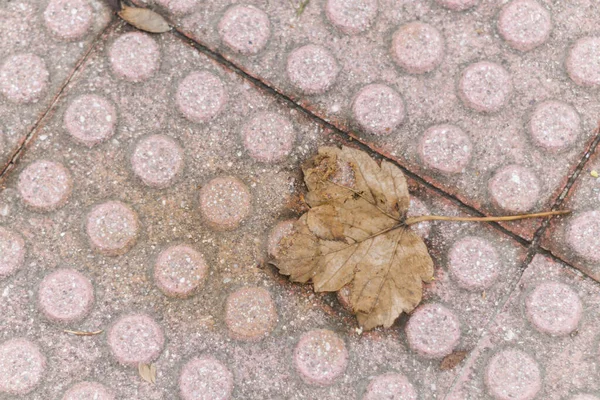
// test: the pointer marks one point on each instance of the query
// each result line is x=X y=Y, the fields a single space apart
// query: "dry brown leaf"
x=147 y=372
x=144 y=19
x=354 y=233
x=453 y=359
x=83 y=333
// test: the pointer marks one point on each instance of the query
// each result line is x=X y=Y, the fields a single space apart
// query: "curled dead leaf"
x=355 y=234
x=144 y=19
x=147 y=372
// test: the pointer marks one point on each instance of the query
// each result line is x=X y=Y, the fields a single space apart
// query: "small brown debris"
x=147 y=372
x=453 y=359
x=144 y=19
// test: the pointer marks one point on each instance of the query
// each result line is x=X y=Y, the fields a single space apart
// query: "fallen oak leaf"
x=357 y=233
x=144 y=19
x=147 y=372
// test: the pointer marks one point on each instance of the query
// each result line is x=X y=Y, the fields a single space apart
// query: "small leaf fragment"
x=147 y=372
x=453 y=359
x=83 y=333
x=594 y=173
x=144 y=19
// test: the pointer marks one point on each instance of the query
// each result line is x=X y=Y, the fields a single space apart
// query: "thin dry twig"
x=83 y=333
x=416 y=220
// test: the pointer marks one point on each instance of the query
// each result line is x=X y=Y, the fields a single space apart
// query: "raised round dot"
x=378 y=109
x=473 y=263
x=112 y=228
x=312 y=69
x=88 y=391
x=23 y=78
x=69 y=19
x=515 y=188
x=513 y=375
x=245 y=29
x=179 y=7
x=157 y=160
x=583 y=62
x=433 y=331
x=457 y=5
x=582 y=233
x=22 y=366
x=201 y=96
x=445 y=148
x=65 y=296
x=485 y=86
x=225 y=202
x=351 y=16
x=320 y=357
x=135 y=339
x=390 y=386
x=524 y=24
x=417 y=208
x=134 y=56
x=12 y=252
x=554 y=308
x=250 y=314
x=90 y=119
x=268 y=137
x=179 y=271
x=45 y=185
x=205 y=378
x=278 y=233
x=555 y=125
x=418 y=47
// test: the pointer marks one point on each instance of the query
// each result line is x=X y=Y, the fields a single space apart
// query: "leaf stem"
x=416 y=220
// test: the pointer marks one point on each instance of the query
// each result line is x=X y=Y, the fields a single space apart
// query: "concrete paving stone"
x=114 y=228
x=543 y=343
x=573 y=237
x=491 y=69
x=41 y=44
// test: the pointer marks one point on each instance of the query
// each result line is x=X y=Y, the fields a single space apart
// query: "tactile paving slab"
x=574 y=237
x=159 y=241
x=494 y=102
x=41 y=44
x=544 y=342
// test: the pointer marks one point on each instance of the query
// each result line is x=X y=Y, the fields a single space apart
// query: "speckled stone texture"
x=41 y=44
x=573 y=238
x=482 y=66
x=139 y=222
x=544 y=342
